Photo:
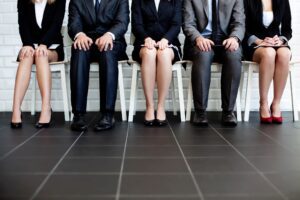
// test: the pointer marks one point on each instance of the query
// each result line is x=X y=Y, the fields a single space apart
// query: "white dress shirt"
x=268 y=17
x=156 y=4
x=39 y=11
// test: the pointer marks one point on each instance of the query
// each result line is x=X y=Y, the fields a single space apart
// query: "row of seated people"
x=215 y=30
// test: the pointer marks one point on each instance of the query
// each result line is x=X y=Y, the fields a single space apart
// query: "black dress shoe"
x=44 y=125
x=78 y=123
x=159 y=122
x=107 y=121
x=229 y=119
x=149 y=122
x=200 y=118
x=16 y=125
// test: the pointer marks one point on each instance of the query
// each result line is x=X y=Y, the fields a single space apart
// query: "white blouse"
x=39 y=11
x=156 y=4
x=268 y=17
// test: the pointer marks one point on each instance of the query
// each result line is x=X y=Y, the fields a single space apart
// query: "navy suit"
x=113 y=16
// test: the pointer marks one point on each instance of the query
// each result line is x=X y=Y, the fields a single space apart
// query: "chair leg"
x=173 y=86
x=64 y=93
x=133 y=92
x=293 y=95
x=33 y=94
x=248 y=93
x=189 y=102
x=69 y=91
x=180 y=94
x=122 y=93
x=239 y=100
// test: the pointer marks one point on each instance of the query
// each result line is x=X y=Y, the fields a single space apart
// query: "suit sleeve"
x=137 y=20
x=24 y=25
x=286 y=24
x=176 y=22
x=237 y=24
x=56 y=25
x=75 y=22
x=189 y=21
x=121 y=21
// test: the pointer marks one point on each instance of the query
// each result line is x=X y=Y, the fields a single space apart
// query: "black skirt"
x=137 y=49
x=249 y=51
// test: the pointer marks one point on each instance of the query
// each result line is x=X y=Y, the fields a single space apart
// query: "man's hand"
x=204 y=44
x=42 y=50
x=149 y=43
x=26 y=51
x=231 y=44
x=83 y=42
x=104 y=42
x=162 y=44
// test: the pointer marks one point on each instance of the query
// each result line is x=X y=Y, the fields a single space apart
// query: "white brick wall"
x=10 y=44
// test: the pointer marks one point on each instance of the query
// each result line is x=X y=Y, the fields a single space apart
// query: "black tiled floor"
x=176 y=162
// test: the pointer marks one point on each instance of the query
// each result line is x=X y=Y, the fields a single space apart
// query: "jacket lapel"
x=152 y=7
x=90 y=6
x=103 y=3
x=205 y=6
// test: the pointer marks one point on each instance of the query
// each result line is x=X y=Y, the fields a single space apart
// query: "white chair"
x=253 y=67
x=215 y=68
x=177 y=67
x=55 y=67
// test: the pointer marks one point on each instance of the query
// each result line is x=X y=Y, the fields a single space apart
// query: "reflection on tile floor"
x=176 y=162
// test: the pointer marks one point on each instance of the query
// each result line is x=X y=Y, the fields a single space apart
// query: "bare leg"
x=21 y=85
x=266 y=59
x=148 y=70
x=280 y=77
x=164 y=76
x=44 y=80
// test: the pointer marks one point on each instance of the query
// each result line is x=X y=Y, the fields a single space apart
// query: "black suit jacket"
x=254 y=20
x=50 y=33
x=113 y=16
x=147 y=22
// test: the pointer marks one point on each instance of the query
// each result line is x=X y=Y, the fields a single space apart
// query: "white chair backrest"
x=66 y=38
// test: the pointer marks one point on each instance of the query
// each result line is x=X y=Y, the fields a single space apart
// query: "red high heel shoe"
x=265 y=120
x=276 y=120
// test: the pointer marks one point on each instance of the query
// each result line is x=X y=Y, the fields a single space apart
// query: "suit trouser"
x=108 y=74
x=230 y=78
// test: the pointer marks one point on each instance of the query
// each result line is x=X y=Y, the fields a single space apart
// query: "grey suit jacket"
x=231 y=14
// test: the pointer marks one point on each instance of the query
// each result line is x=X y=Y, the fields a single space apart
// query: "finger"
x=201 y=47
x=79 y=45
x=211 y=42
x=111 y=45
x=205 y=46
x=90 y=41
x=82 y=45
x=224 y=42
x=208 y=45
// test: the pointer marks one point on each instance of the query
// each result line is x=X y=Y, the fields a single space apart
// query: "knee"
x=269 y=54
x=148 y=53
x=233 y=56
x=164 y=55
x=283 y=55
x=40 y=57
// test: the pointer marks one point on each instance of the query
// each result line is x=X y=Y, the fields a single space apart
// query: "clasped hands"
x=104 y=43
x=150 y=43
x=270 y=41
x=204 y=44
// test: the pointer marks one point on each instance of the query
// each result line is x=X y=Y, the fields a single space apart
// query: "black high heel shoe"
x=150 y=122
x=44 y=125
x=16 y=125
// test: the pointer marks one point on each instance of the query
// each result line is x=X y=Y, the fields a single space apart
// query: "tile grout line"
x=20 y=145
x=251 y=164
x=273 y=140
x=200 y=193
x=122 y=166
x=40 y=187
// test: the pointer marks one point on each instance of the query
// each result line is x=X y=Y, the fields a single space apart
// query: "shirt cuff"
x=252 y=40
x=112 y=35
x=284 y=39
x=78 y=35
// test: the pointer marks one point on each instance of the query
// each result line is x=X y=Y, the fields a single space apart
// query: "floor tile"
x=152 y=151
x=157 y=185
x=96 y=151
x=209 y=151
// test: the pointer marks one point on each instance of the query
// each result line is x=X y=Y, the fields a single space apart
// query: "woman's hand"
x=149 y=43
x=42 y=50
x=162 y=44
x=278 y=41
x=26 y=51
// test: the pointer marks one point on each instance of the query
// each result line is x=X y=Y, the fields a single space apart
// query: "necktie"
x=215 y=21
x=97 y=6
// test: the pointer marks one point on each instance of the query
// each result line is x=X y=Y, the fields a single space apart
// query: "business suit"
x=280 y=26
x=157 y=24
x=232 y=24
x=50 y=33
x=113 y=16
